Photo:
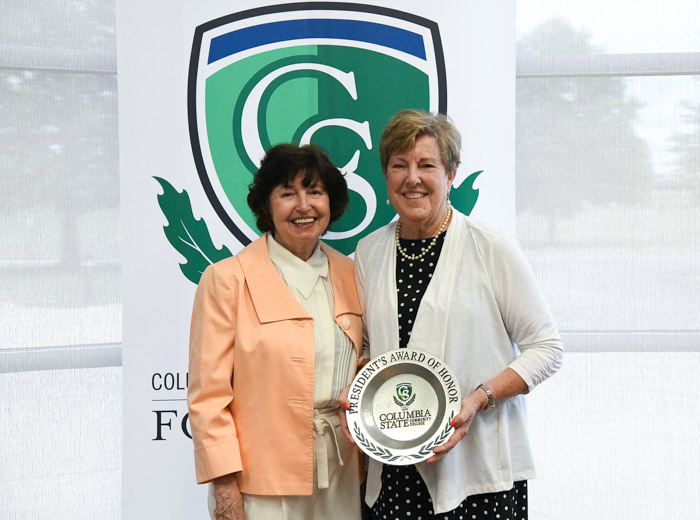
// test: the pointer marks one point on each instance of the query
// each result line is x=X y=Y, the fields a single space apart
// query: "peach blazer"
x=251 y=371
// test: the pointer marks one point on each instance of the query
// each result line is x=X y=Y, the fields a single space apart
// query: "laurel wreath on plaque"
x=387 y=455
x=380 y=452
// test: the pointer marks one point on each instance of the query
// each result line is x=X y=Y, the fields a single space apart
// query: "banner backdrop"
x=204 y=89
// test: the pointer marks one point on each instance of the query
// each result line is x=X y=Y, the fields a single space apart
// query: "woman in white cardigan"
x=438 y=281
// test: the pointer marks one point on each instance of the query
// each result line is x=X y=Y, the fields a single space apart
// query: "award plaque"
x=401 y=406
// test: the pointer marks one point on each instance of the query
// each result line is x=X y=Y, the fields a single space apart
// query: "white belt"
x=325 y=417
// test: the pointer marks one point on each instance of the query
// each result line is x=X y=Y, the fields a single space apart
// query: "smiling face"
x=300 y=215
x=418 y=184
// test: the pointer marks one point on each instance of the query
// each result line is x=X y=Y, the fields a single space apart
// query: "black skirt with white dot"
x=404 y=494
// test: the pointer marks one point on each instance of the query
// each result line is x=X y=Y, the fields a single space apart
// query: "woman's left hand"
x=471 y=405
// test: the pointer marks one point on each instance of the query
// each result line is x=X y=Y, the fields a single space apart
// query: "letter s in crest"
x=404 y=395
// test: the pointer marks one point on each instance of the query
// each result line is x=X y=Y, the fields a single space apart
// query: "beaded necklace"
x=432 y=242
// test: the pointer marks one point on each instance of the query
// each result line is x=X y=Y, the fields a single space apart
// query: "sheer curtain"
x=60 y=303
x=608 y=212
x=608 y=193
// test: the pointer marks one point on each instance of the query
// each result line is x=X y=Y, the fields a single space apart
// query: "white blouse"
x=310 y=284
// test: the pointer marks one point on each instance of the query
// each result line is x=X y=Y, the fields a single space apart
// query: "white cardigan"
x=483 y=299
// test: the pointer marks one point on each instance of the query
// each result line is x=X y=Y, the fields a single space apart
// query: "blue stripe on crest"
x=369 y=32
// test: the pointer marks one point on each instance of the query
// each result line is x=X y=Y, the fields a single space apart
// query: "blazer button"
x=346 y=323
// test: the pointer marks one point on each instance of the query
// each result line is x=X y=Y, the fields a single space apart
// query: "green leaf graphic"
x=464 y=198
x=190 y=236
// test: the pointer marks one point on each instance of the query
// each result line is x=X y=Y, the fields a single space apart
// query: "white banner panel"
x=204 y=89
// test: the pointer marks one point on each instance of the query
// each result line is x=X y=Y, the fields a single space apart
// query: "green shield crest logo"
x=404 y=391
x=331 y=74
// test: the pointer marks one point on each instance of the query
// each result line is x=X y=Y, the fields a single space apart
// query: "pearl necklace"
x=432 y=242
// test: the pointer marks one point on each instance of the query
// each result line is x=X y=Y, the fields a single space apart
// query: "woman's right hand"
x=344 y=405
x=228 y=498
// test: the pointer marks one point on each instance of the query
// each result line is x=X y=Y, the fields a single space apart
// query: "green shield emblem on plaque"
x=404 y=391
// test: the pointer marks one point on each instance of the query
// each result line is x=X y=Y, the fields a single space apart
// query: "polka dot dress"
x=404 y=495
x=412 y=278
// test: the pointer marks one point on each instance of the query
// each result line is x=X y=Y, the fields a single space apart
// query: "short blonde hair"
x=407 y=126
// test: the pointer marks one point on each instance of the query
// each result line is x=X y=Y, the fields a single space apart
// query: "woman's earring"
x=388 y=202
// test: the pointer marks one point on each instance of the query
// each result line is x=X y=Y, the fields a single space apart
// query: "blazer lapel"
x=272 y=299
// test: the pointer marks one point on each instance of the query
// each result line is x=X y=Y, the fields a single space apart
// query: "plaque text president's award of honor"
x=401 y=406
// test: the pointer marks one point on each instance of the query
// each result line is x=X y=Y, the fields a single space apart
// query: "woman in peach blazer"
x=276 y=333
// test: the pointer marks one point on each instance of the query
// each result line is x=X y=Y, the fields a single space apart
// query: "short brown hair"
x=281 y=164
x=407 y=126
